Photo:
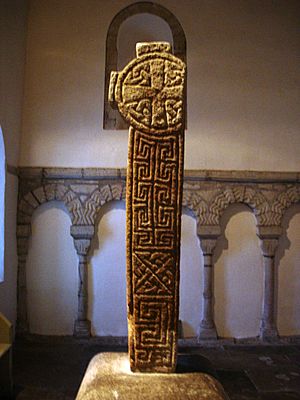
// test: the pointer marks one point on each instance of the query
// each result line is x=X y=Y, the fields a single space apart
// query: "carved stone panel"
x=149 y=94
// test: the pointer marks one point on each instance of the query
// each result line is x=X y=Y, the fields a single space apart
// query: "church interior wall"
x=242 y=114
x=13 y=36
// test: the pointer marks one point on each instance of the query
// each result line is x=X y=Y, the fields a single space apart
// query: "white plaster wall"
x=243 y=102
x=190 y=289
x=238 y=277
x=289 y=279
x=141 y=26
x=107 y=274
x=52 y=272
x=12 y=43
x=243 y=75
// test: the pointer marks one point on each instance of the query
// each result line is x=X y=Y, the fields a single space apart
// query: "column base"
x=206 y=333
x=269 y=334
x=82 y=328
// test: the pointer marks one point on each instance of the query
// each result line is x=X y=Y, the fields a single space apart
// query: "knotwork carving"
x=149 y=94
x=149 y=90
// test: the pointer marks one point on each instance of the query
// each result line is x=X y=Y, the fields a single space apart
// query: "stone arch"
x=106 y=193
x=111 y=117
x=51 y=271
x=192 y=200
x=283 y=202
x=27 y=204
x=249 y=196
x=48 y=192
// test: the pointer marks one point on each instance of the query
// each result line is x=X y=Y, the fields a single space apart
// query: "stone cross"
x=149 y=94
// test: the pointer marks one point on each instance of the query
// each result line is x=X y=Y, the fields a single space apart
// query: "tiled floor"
x=53 y=370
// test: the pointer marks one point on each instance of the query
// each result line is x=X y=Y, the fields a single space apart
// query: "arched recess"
x=2 y=203
x=111 y=118
x=190 y=288
x=51 y=271
x=238 y=275
x=288 y=304
x=107 y=273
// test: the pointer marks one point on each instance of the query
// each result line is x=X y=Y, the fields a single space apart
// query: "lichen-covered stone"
x=149 y=94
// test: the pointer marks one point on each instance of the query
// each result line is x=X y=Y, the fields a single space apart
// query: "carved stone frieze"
x=206 y=193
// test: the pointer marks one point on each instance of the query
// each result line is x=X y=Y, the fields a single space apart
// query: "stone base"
x=82 y=328
x=109 y=377
x=269 y=334
x=207 y=334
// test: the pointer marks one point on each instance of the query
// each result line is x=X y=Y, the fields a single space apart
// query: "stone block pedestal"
x=109 y=377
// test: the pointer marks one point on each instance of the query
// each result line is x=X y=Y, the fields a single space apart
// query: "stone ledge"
x=232 y=176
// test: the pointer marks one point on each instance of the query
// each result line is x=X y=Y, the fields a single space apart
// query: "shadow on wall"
x=107 y=273
x=52 y=270
x=191 y=264
x=238 y=275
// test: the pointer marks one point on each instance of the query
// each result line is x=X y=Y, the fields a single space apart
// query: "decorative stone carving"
x=149 y=94
x=268 y=194
x=111 y=117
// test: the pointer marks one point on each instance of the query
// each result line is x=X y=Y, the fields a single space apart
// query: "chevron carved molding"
x=206 y=193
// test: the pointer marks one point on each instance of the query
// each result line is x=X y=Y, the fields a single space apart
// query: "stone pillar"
x=23 y=234
x=82 y=235
x=269 y=237
x=208 y=236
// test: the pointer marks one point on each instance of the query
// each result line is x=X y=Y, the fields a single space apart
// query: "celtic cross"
x=149 y=94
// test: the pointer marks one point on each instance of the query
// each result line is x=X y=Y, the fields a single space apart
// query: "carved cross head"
x=149 y=91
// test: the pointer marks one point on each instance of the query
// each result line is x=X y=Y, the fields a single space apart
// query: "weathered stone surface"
x=112 y=119
x=62 y=173
x=149 y=94
x=101 y=173
x=109 y=377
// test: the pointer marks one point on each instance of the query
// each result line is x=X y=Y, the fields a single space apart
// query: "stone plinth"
x=109 y=377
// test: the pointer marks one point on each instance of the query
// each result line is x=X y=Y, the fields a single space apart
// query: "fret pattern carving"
x=149 y=95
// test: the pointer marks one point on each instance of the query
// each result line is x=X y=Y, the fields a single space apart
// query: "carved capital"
x=208 y=236
x=269 y=247
x=269 y=236
x=208 y=246
x=82 y=235
x=82 y=246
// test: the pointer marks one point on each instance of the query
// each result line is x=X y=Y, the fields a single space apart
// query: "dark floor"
x=53 y=370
